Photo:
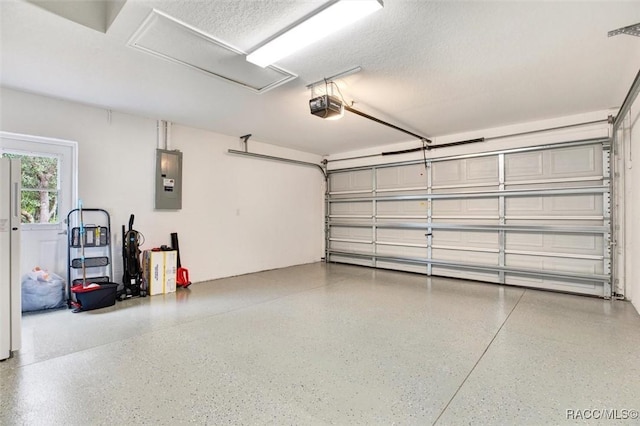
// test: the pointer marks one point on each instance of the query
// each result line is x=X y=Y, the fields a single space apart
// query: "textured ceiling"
x=434 y=67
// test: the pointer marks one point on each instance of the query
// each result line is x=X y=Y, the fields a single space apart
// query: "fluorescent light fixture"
x=328 y=20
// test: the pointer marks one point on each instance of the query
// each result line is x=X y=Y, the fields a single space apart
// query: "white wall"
x=239 y=215
x=629 y=138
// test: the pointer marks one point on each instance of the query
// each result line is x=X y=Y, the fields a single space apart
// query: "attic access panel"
x=171 y=39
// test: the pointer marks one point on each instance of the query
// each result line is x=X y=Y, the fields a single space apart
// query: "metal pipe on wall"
x=167 y=140
x=163 y=134
x=160 y=134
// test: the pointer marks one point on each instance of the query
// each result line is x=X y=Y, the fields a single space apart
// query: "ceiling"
x=432 y=67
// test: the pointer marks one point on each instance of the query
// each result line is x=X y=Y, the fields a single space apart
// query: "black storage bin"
x=95 y=297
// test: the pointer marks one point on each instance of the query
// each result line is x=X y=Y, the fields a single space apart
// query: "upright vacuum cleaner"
x=132 y=278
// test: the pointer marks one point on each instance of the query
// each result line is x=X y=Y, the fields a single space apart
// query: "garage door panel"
x=351 y=247
x=490 y=205
x=590 y=288
x=579 y=266
x=402 y=177
x=525 y=262
x=398 y=266
x=488 y=240
x=466 y=207
x=406 y=208
x=471 y=171
x=465 y=256
x=524 y=205
x=447 y=173
x=563 y=237
x=448 y=207
x=555 y=264
x=577 y=244
x=524 y=241
x=555 y=205
x=581 y=161
x=360 y=180
x=351 y=260
x=340 y=182
x=482 y=169
x=400 y=251
x=483 y=239
x=344 y=232
x=403 y=236
x=402 y=208
x=465 y=275
x=523 y=165
x=360 y=209
x=575 y=204
x=578 y=161
x=447 y=237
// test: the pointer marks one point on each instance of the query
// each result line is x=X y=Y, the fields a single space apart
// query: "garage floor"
x=329 y=344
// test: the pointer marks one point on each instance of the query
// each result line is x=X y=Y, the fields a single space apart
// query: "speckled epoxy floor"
x=328 y=344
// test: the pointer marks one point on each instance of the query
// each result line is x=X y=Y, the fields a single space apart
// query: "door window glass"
x=40 y=187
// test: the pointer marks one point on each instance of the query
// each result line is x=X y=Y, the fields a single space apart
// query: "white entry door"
x=48 y=194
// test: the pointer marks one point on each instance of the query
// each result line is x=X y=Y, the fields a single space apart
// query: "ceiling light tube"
x=328 y=20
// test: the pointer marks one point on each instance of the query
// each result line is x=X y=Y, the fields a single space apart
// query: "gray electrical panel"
x=168 y=180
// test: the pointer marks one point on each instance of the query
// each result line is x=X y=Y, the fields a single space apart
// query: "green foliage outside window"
x=39 y=188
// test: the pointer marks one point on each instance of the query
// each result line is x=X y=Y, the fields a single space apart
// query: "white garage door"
x=535 y=217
